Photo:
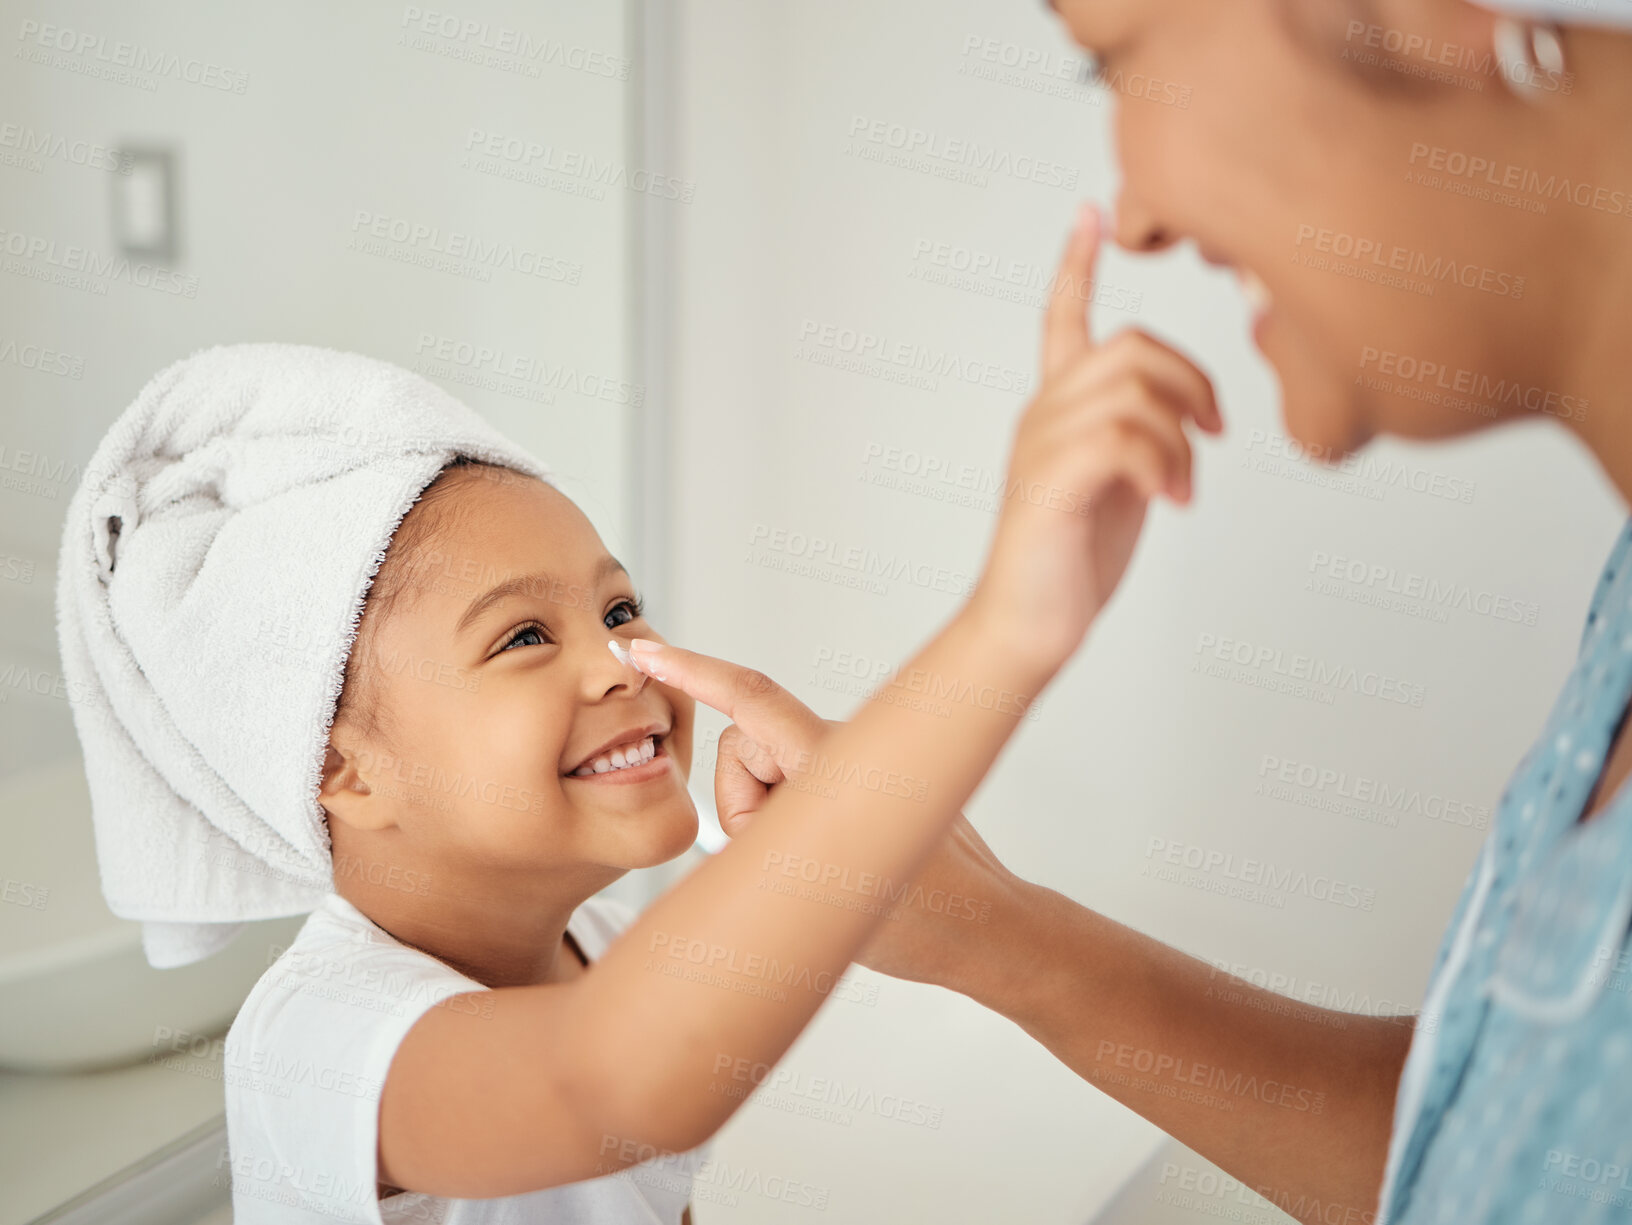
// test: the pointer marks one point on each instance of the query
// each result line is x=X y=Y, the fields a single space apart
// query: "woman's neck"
x=1594 y=327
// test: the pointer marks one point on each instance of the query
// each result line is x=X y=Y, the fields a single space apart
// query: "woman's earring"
x=1527 y=53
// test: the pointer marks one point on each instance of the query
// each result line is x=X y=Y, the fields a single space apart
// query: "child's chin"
x=669 y=837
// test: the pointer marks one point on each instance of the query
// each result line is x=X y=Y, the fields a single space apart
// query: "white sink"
x=76 y=992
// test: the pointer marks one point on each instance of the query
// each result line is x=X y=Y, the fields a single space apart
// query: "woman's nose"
x=1137 y=229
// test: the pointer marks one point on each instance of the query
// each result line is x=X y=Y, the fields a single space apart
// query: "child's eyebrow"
x=526 y=584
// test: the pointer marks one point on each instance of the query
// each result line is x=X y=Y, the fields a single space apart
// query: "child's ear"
x=340 y=771
x=345 y=794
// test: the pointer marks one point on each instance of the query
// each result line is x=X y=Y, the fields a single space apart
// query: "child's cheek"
x=679 y=744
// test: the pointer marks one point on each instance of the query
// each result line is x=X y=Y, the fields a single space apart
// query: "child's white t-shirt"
x=307 y=1056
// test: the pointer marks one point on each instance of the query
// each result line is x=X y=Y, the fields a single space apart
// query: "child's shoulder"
x=341 y=972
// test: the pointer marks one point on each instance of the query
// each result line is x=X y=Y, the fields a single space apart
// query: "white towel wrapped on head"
x=212 y=574
x=1567 y=12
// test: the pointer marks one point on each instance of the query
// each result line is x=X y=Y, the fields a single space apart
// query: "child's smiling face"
x=487 y=703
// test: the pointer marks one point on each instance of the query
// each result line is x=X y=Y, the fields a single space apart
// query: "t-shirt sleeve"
x=598 y=922
x=305 y=1062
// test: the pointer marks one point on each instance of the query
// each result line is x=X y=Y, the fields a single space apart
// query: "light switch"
x=143 y=203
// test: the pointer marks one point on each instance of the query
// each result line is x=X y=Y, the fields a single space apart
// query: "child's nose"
x=620 y=667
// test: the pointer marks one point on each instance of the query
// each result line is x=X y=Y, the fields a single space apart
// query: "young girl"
x=462 y=1031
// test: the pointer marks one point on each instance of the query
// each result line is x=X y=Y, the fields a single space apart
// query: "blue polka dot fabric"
x=1515 y=1105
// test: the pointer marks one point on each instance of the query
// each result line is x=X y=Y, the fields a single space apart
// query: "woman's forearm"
x=1294 y=1101
x=685 y=1012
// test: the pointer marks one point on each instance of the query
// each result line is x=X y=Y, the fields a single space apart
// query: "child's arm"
x=663 y=1039
x=565 y=1082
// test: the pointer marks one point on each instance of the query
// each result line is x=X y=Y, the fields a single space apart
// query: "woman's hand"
x=1102 y=436
x=931 y=915
x=776 y=740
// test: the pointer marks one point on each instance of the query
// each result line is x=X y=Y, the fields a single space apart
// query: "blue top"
x=1515 y=1104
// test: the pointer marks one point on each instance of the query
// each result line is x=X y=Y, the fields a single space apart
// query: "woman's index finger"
x=1065 y=325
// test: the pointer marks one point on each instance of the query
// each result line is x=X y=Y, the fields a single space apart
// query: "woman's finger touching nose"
x=765 y=711
x=1065 y=326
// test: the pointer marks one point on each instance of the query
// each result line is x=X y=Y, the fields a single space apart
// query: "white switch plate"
x=144 y=204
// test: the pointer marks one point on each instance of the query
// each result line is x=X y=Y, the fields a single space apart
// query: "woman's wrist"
x=999 y=965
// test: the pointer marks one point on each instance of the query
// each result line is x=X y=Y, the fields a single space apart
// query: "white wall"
x=344 y=110
x=791 y=225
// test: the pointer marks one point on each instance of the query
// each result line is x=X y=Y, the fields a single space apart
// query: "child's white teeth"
x=621 y=758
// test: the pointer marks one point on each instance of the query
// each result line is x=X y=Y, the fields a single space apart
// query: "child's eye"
x=530 y=627
x=636 y=607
